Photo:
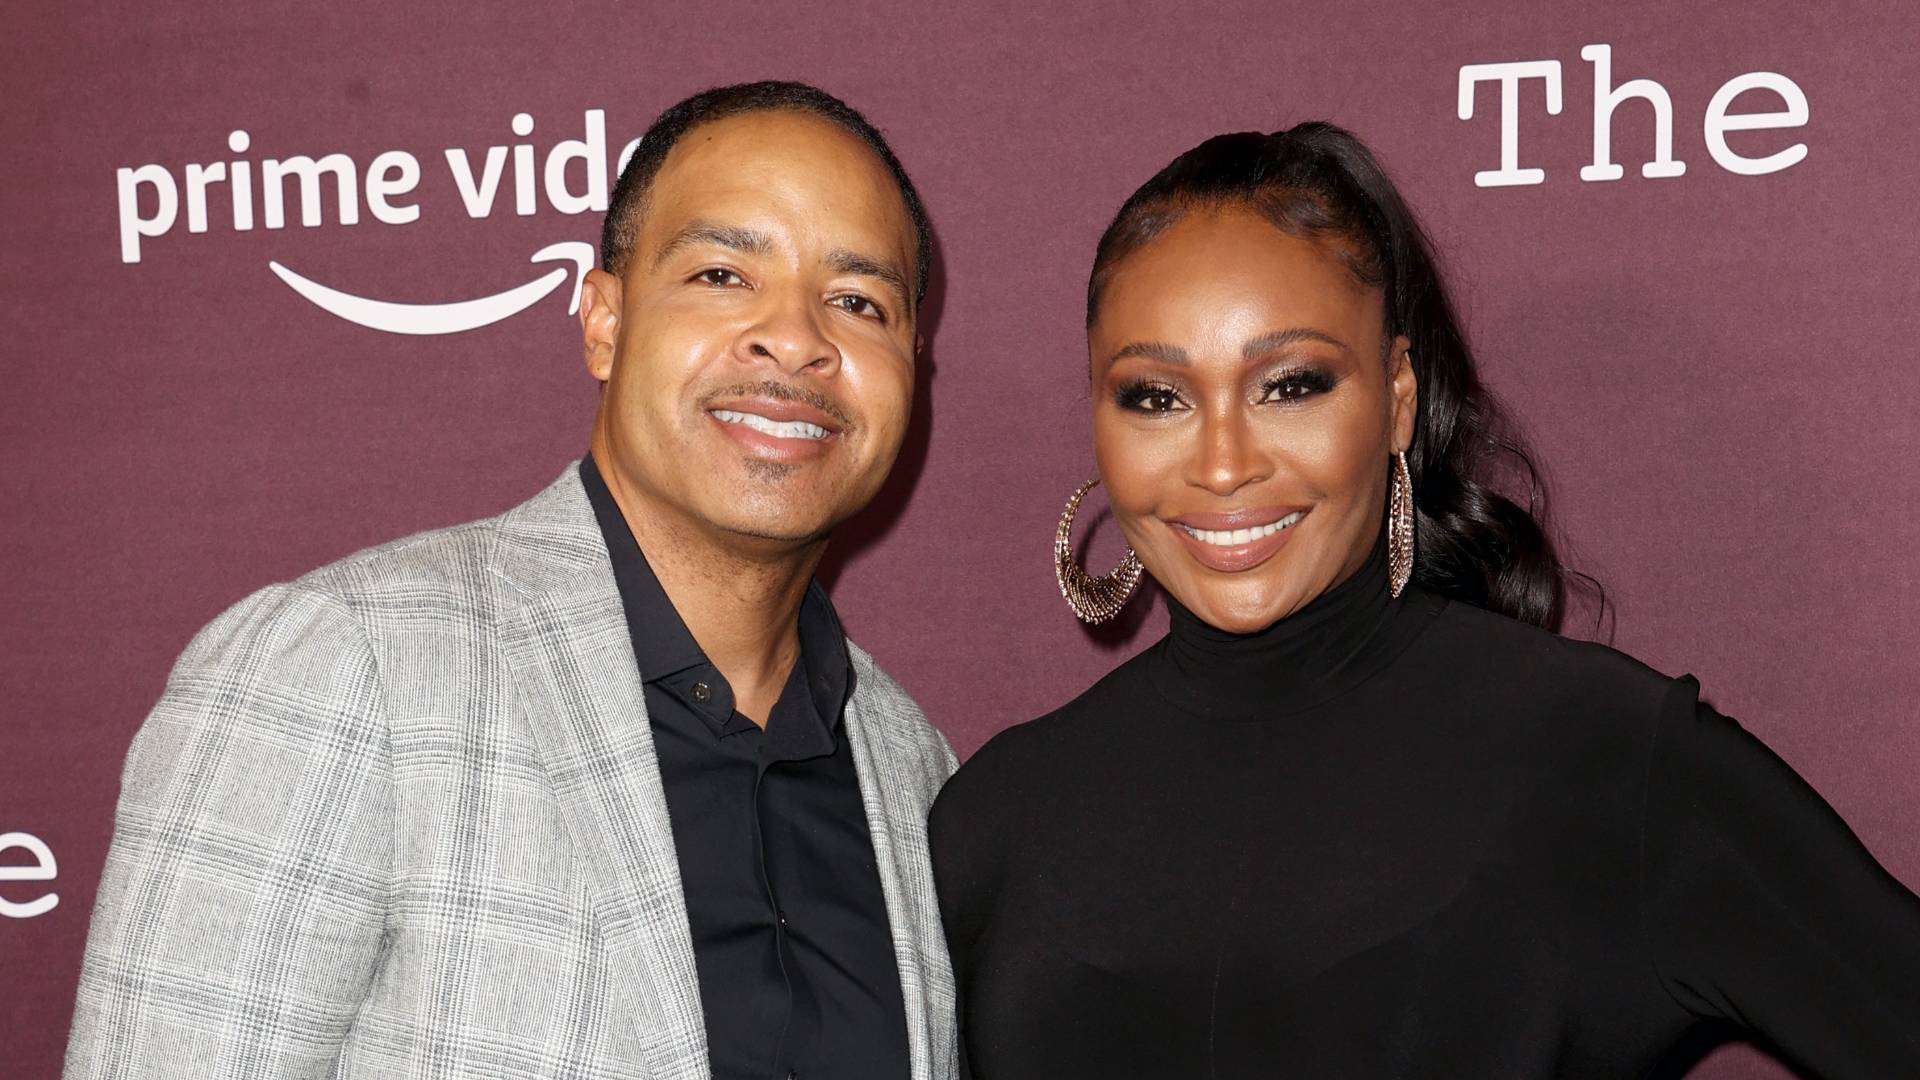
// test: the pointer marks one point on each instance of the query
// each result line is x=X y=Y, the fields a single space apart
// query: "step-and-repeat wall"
x=285 y=280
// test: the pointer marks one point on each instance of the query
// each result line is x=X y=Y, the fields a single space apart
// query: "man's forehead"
x=763 y=163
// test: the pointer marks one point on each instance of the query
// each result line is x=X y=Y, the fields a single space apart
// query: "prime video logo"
x=154 y=198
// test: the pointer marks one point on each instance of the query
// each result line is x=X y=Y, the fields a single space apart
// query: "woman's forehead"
x=1228 y=274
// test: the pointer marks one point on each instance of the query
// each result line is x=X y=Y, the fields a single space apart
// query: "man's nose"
x=788 y=332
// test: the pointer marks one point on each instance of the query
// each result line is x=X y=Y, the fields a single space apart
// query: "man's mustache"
x=780 y=391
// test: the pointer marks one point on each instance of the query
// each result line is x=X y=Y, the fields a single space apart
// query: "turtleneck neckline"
x=1338 y=640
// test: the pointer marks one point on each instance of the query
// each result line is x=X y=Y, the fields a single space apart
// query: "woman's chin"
x=1237 y=613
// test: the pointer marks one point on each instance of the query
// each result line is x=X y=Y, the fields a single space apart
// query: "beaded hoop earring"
x=1400 y=527
x=1094 y=599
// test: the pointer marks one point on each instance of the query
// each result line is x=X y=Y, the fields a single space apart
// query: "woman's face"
x=1246 y=405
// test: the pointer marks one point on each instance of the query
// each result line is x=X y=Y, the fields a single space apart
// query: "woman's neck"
x=1339 y=639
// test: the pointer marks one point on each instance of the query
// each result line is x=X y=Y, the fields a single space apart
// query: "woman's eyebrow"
x=1275 y=339
x=1265 y=343
x=1152 y=350
x=1279 y=339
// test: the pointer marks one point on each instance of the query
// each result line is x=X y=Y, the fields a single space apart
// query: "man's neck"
x=740 y=601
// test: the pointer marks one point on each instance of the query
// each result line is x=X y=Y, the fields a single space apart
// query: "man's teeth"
x=1237 y=537
x=781 y=429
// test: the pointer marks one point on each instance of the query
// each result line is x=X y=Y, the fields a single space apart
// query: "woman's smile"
x=1236 y=540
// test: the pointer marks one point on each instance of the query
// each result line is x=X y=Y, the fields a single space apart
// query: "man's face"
x=758 y=349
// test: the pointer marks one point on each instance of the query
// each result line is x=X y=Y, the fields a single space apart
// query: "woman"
x=1358 y=814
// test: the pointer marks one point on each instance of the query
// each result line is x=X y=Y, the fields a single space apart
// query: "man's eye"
x=855 y=304
x=719 y=276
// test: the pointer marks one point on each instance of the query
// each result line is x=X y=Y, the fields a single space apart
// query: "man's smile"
x=780 y=426
x=783 y=429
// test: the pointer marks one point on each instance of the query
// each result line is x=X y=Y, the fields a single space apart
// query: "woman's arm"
x=1763 y=909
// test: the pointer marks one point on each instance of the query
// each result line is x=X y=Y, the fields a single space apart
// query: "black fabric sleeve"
x=971 y=832
x=1763 y=909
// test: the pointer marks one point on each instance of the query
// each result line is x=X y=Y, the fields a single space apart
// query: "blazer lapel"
x=897 y=809
x=565 y=635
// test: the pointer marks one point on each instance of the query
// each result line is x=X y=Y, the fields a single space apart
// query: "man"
x=595 y=788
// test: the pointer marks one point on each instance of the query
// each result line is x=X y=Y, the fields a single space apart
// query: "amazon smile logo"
x=154 y=200
x=449 y=318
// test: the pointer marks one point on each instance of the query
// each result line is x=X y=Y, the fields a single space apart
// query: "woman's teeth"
x=1238 y=537
x=779 y=429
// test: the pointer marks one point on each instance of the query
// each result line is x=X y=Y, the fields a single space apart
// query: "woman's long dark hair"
x=1317 y=181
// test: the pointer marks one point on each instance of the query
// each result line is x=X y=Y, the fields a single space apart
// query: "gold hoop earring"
x=1400 y=527
x=1093 y=599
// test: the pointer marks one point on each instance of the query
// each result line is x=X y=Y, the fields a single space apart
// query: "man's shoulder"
x=450 y=557
x=463 y=560
x=878 y=691
x=885 y=704
x=450 y=572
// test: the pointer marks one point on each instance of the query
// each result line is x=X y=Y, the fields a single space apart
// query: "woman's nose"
x=1228 y=456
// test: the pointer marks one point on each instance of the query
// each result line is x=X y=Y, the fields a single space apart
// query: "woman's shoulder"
x=1577 y=722
x=977 y=816
x=1570 y=676
x=1038 y=753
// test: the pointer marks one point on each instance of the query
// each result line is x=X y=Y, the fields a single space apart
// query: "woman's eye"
x=855 y=304
x=719 y=276
x=1295 y=386
x=1149 y=398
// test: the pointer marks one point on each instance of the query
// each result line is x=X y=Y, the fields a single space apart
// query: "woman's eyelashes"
x=1295 y=384
x=1147 y=396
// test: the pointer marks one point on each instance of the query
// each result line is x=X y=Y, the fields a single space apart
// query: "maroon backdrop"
x=1715 y=368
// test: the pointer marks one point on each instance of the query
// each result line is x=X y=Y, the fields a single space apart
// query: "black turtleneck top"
x=1407 y=838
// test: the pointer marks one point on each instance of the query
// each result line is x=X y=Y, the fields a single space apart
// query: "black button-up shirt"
x=790 y=929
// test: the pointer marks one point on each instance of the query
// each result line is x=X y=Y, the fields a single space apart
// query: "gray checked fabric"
x=402 y=818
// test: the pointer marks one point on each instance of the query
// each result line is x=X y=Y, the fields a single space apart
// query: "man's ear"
x=1404 y=386
x=599 y=321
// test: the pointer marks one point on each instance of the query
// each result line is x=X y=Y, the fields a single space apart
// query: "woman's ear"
x=1404 y=388
x=599 y=321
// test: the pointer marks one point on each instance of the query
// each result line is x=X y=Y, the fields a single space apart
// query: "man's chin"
x=776 y=527
x=775 y=537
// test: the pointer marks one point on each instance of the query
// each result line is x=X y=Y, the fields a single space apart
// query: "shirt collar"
x=664 y=647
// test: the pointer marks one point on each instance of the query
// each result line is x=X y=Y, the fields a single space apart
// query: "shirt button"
x=783 y=918
x=702 y=692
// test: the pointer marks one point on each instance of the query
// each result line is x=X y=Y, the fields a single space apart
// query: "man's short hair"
x=629 y=199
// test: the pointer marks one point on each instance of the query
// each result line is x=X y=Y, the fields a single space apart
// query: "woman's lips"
x=1238 y=540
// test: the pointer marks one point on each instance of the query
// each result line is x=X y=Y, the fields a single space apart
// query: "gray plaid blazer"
x=402 y=818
